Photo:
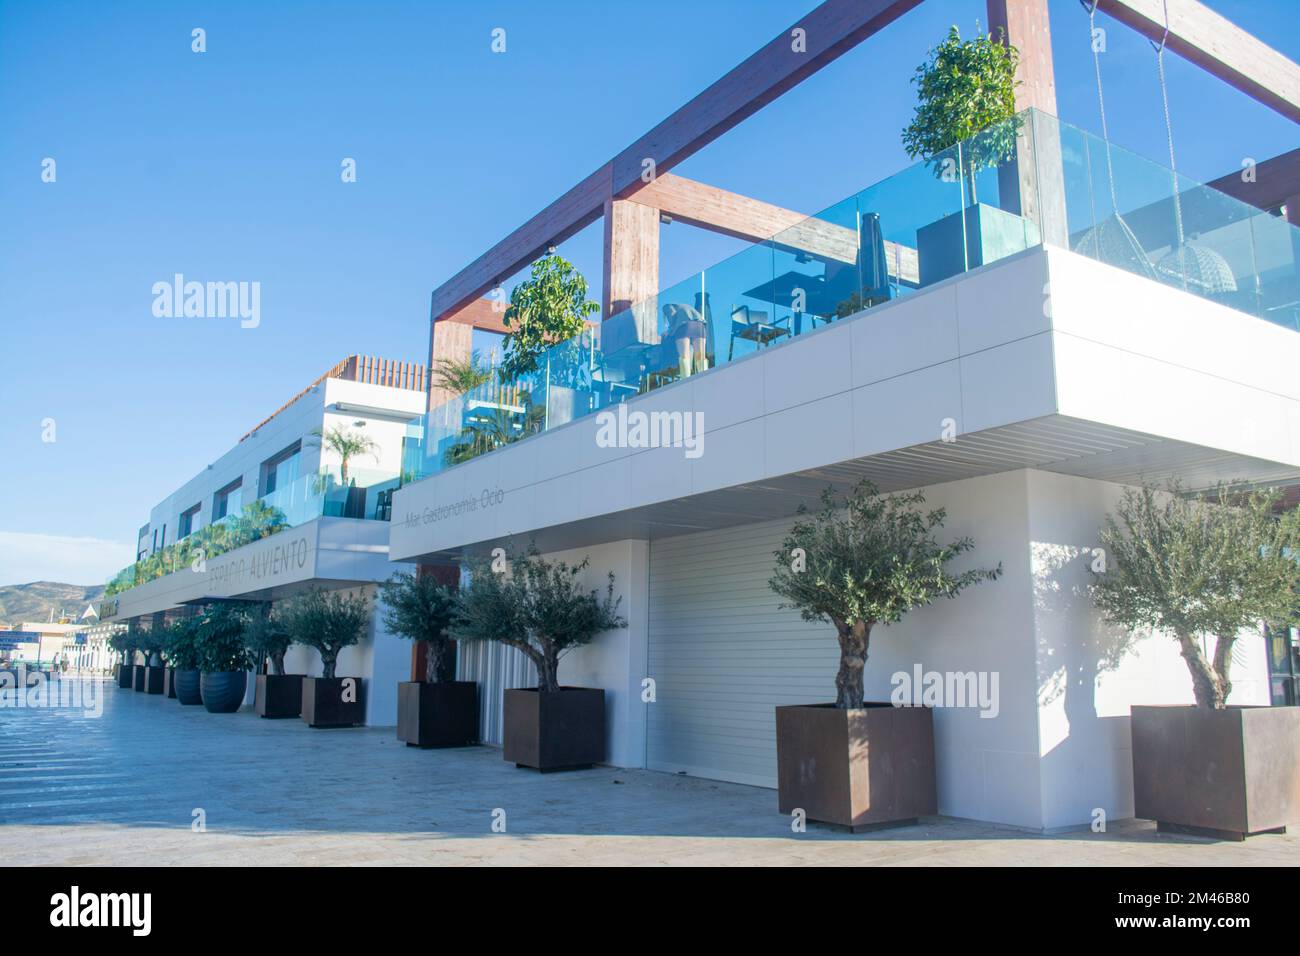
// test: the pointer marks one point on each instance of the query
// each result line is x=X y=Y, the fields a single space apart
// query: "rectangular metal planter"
x=444 y=714
x=868 y=767
x=153 y=679
x=126 y=676
x=562 y=730
x=1226 y=773
x=169 y=683
x=323 y=703
x=278 y=695
x=137 y=677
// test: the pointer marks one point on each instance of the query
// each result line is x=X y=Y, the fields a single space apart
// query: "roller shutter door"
x=723 y=655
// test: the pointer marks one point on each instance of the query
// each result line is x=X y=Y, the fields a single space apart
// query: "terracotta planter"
x=561 y=730
x=278 y=695
x=444 y=714
x=324 y=703
x=861 y=769
x=169 y=683
x=223 y=691
x=137 y=677
x=153 y=680
x=186 y=684
x=1225 y=773
x=125 y=676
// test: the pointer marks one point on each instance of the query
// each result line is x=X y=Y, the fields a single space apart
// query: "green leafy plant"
x=345 y=443
x=1209 y=564
x=126 y=643
x=461 y=375
x=328 y=621
x=180 y=647
x=865 y=561
x=267 y=635
x=219 y=638
x=537 y=606
x=545 y=309
x=420 y=609
x=967 y=94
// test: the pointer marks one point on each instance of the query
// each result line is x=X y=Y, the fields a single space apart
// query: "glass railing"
x=965 y=208
x=366 y=494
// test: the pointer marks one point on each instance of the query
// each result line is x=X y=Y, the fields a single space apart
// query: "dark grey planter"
x=137 y=677
x=860 y=769
x=990 y=234
x=223 y=692
x=444 y=714
x=153 y=679
x=125 y=676
x=325 y=703
x=560 y=730
x=1224 y=773
x=169 y=683
x=278 y=695
x=186 y=684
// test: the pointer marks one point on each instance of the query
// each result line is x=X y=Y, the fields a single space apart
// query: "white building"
x=1020 y=360
x=336 y=526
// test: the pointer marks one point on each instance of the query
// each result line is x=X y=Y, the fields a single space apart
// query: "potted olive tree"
x=124 y=642
x=965 y=121
x=223 y=657
x=1206 y=570
x=438 y=711
x=854 y=564
x=149 y=676
x=540 y=608
x=183 y=655
x=329 y=621
x=277 y=694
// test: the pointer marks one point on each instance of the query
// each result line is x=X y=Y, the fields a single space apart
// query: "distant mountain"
x=35 y=601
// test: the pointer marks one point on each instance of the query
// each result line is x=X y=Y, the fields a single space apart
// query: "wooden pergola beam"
x=1218 y=46
x=829 y=31
x=1274 y=181
x=742 y=217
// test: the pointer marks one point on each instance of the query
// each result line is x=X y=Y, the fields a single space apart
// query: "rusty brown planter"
x=560 y=730
x=861 y=769
x=278 y=695
x=323 y=703
x=444 y=714
x=1223 y=773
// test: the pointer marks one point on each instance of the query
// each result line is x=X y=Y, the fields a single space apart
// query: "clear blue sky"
x=225 y=165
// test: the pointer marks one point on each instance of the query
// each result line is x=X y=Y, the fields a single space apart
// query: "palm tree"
x=346 y=444
x=460 y=375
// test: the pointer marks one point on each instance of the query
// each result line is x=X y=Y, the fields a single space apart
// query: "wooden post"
x=1033 y=184
x=631 y=255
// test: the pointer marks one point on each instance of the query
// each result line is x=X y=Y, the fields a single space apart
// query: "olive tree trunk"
x=277 y=664
x=328 y=660
x=439 y=661
x=1209 y=688
x=854 y=640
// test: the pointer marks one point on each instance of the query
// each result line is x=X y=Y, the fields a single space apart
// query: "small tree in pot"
x=329 y=621
x=438 y=711
x=125 y=643
x=149 y=675
x=277 y=694
x=540 y=608
x=1213 y=565
x=223 y=655
x=865 y=561
x=182 y=649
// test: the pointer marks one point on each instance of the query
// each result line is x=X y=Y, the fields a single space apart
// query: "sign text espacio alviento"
x=235 y=575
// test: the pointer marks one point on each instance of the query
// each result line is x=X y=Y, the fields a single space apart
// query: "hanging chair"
x=1111 y=240
x=1189 y=265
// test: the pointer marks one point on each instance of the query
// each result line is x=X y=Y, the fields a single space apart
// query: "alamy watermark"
x=922 y=688
x=624 y=429
x=208 y=300
x=20 y=688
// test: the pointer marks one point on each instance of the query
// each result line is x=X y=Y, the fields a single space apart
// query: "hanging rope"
x=1091 y=7
x=1169 y=137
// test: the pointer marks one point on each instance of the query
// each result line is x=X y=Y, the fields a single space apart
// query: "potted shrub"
x=223 y=657
x=965 y=121
x=149 y=676
x=329 y=621
x=1202 y=567
x=857 y=763
x=540 y=608
x=277 y=694
x=438 y=711
x=167 y=640
x=124 y=642
x=183 y=654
